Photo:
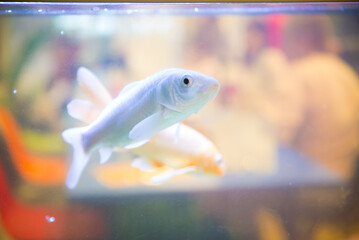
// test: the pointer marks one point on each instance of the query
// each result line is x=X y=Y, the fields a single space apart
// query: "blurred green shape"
x=10 y=72
x=43 y=142
x=29 y=48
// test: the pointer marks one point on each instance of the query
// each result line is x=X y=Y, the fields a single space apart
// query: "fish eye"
x=186 y=81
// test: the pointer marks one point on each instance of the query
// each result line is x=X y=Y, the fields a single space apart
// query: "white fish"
x=181 y=152
x=140 y=111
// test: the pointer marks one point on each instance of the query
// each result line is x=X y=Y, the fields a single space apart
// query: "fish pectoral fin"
x=185 y=170
x=142 y=164
x=168 y=174
x=105 y=154
x=148 y=127
x=163 y=177
x=118 y=149
x=136 y=144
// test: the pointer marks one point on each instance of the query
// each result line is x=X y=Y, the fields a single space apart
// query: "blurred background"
x=286 y=121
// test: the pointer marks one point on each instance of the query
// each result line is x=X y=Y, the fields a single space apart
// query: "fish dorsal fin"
x=129 y=86
x=92 y=86
x=149 y=126
x=105 y=154
x=88 y=110
x=83 y=110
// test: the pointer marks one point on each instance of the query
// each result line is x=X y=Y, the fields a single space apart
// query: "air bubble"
x=50 y=219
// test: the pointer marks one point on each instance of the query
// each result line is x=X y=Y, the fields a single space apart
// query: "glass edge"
x=194 y=8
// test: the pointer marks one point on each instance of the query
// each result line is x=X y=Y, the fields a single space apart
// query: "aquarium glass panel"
x=179 y=121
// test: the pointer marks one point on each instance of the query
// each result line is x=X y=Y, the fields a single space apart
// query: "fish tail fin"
x=73 y=136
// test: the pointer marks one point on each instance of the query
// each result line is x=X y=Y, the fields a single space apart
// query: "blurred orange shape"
x=35 y=169
x=24 y=221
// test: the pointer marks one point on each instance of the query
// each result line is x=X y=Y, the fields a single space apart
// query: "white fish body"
x=141 y=110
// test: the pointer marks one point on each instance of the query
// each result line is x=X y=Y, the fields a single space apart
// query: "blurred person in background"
x=256 y=40
x=205 y=48
x=53 y=66
x=313 y=100
x=310 y=98
x=249 y=148
x=329 y=128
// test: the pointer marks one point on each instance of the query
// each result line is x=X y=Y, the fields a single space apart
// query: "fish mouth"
x=217 y=171
x=211 y=88
x=222 y=170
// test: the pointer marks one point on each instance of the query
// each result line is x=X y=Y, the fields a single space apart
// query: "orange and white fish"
x=184 y=150
x=91 y=111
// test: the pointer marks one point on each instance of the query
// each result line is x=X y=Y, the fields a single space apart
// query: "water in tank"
x=179 y=121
